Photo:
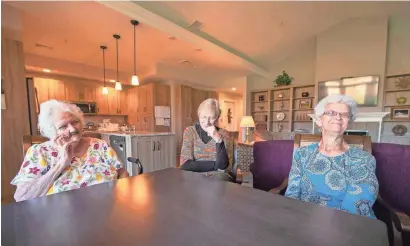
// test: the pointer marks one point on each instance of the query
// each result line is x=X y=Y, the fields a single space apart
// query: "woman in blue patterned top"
x=331 y=173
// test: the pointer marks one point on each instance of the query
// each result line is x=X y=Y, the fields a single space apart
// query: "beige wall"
x=363 y=46
x=398 y=46
x=353 y=48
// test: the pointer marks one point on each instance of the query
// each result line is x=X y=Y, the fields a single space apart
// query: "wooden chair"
x=380 y=208
x=29 y=140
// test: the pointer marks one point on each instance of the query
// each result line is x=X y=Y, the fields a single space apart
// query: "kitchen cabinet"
x=48 y=89
x=71 y=92
x=113 y=103
x=141 y=106
x=101 y=100
x=154 y=152
x=56 y=90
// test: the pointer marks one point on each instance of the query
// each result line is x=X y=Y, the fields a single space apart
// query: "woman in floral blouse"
x=68 y=161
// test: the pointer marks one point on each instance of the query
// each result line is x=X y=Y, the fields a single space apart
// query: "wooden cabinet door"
x=88 y=94
x=148 y=122
x=101 y=100
x=165 y=154
x=123 y=105
x=56 y=90
x=149 y=98
x=41 y=86
x=142 y=99
x=71 y=92
x=112 y=101
x=145 y=153
x=132 y=104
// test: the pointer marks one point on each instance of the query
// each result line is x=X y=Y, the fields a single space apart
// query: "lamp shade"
x=135 y=80
x=247 y=121
x=118 y=86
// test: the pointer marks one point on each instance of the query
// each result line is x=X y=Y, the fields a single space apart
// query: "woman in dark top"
x=206 y=147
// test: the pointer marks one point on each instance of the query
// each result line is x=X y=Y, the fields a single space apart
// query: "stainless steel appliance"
x=88 y=108
x=118 y=144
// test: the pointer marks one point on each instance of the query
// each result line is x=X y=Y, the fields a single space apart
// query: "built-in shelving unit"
x=268 y=106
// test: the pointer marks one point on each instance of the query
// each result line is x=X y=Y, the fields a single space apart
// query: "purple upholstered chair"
x=273 y=160
x=393 y=174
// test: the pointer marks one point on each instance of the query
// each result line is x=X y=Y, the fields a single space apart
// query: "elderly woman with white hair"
x=331 y=173
x=68 y=161
x=206 y=147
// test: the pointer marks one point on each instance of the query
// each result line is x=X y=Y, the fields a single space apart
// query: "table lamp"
x=247 y=121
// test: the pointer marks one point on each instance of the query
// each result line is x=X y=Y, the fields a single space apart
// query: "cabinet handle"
x=159 y=145
x=145 y=119
x=154 y=146
x=145 y=108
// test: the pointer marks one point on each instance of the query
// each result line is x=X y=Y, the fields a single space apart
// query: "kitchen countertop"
x=132 y=133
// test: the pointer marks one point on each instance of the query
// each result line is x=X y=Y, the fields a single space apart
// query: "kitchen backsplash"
x=96 y=119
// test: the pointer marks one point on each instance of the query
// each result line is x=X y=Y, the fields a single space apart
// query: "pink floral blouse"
x=98 y=165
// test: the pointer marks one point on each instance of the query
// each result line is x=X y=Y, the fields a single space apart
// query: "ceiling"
x=74 y=31
x=246 y=36
x=267 y=32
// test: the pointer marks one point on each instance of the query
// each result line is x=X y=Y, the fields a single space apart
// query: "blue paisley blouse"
x=346 y=182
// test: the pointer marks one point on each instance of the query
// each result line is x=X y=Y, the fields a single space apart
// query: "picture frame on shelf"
x=400 y=113
x=305 y=104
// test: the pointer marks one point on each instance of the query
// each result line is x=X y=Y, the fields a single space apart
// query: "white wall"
x=398 y=46
x=353 y=48
x=363 y=46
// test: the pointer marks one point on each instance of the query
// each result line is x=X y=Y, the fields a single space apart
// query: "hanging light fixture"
x=104 y=89
x=135 y=80
x=118 y=85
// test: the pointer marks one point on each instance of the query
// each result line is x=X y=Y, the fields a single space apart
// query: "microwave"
x=88 y=108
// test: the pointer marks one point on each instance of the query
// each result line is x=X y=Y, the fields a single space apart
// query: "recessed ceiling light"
x=46 y=70
x=112 y=80
x=233 y=88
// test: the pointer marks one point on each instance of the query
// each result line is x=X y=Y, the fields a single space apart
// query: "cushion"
x=244 y=156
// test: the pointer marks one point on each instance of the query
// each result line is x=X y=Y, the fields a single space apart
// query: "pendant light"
x=104 y=89
x=135 y=80
x=118 y=85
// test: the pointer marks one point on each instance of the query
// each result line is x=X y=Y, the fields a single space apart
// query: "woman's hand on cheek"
x=64 y=147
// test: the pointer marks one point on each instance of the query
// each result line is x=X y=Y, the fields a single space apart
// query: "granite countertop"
x=131 y=133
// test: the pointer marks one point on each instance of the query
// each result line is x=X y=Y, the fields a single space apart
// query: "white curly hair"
x=48 y=109
x=337 y=98
x=210 y=102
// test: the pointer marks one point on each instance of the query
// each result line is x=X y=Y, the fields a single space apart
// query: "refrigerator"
x=33 y=106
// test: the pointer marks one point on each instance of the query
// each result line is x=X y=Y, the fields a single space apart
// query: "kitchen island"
x=155 y=150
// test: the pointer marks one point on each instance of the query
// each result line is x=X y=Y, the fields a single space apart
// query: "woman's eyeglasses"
x=333 y=113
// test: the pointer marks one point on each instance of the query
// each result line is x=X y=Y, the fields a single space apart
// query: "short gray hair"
x=210 y=102
x=337 y=98
x=50 y=108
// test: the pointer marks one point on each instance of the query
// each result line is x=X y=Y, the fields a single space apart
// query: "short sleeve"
x=34 y=165
x=110 y=156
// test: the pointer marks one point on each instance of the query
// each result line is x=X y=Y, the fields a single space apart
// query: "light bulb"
x=105 y=90
x=135 y=80
x=118 y=86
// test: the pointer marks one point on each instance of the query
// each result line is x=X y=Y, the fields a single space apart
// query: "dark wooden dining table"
x=174 y=207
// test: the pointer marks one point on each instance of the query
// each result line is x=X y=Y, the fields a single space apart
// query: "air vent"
x=185 y=62
x=196 y=25
x=44 y=46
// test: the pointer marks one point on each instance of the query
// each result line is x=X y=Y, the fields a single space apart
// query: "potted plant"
x=283 y=79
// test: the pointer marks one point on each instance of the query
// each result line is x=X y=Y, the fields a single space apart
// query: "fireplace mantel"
x=362 y=117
